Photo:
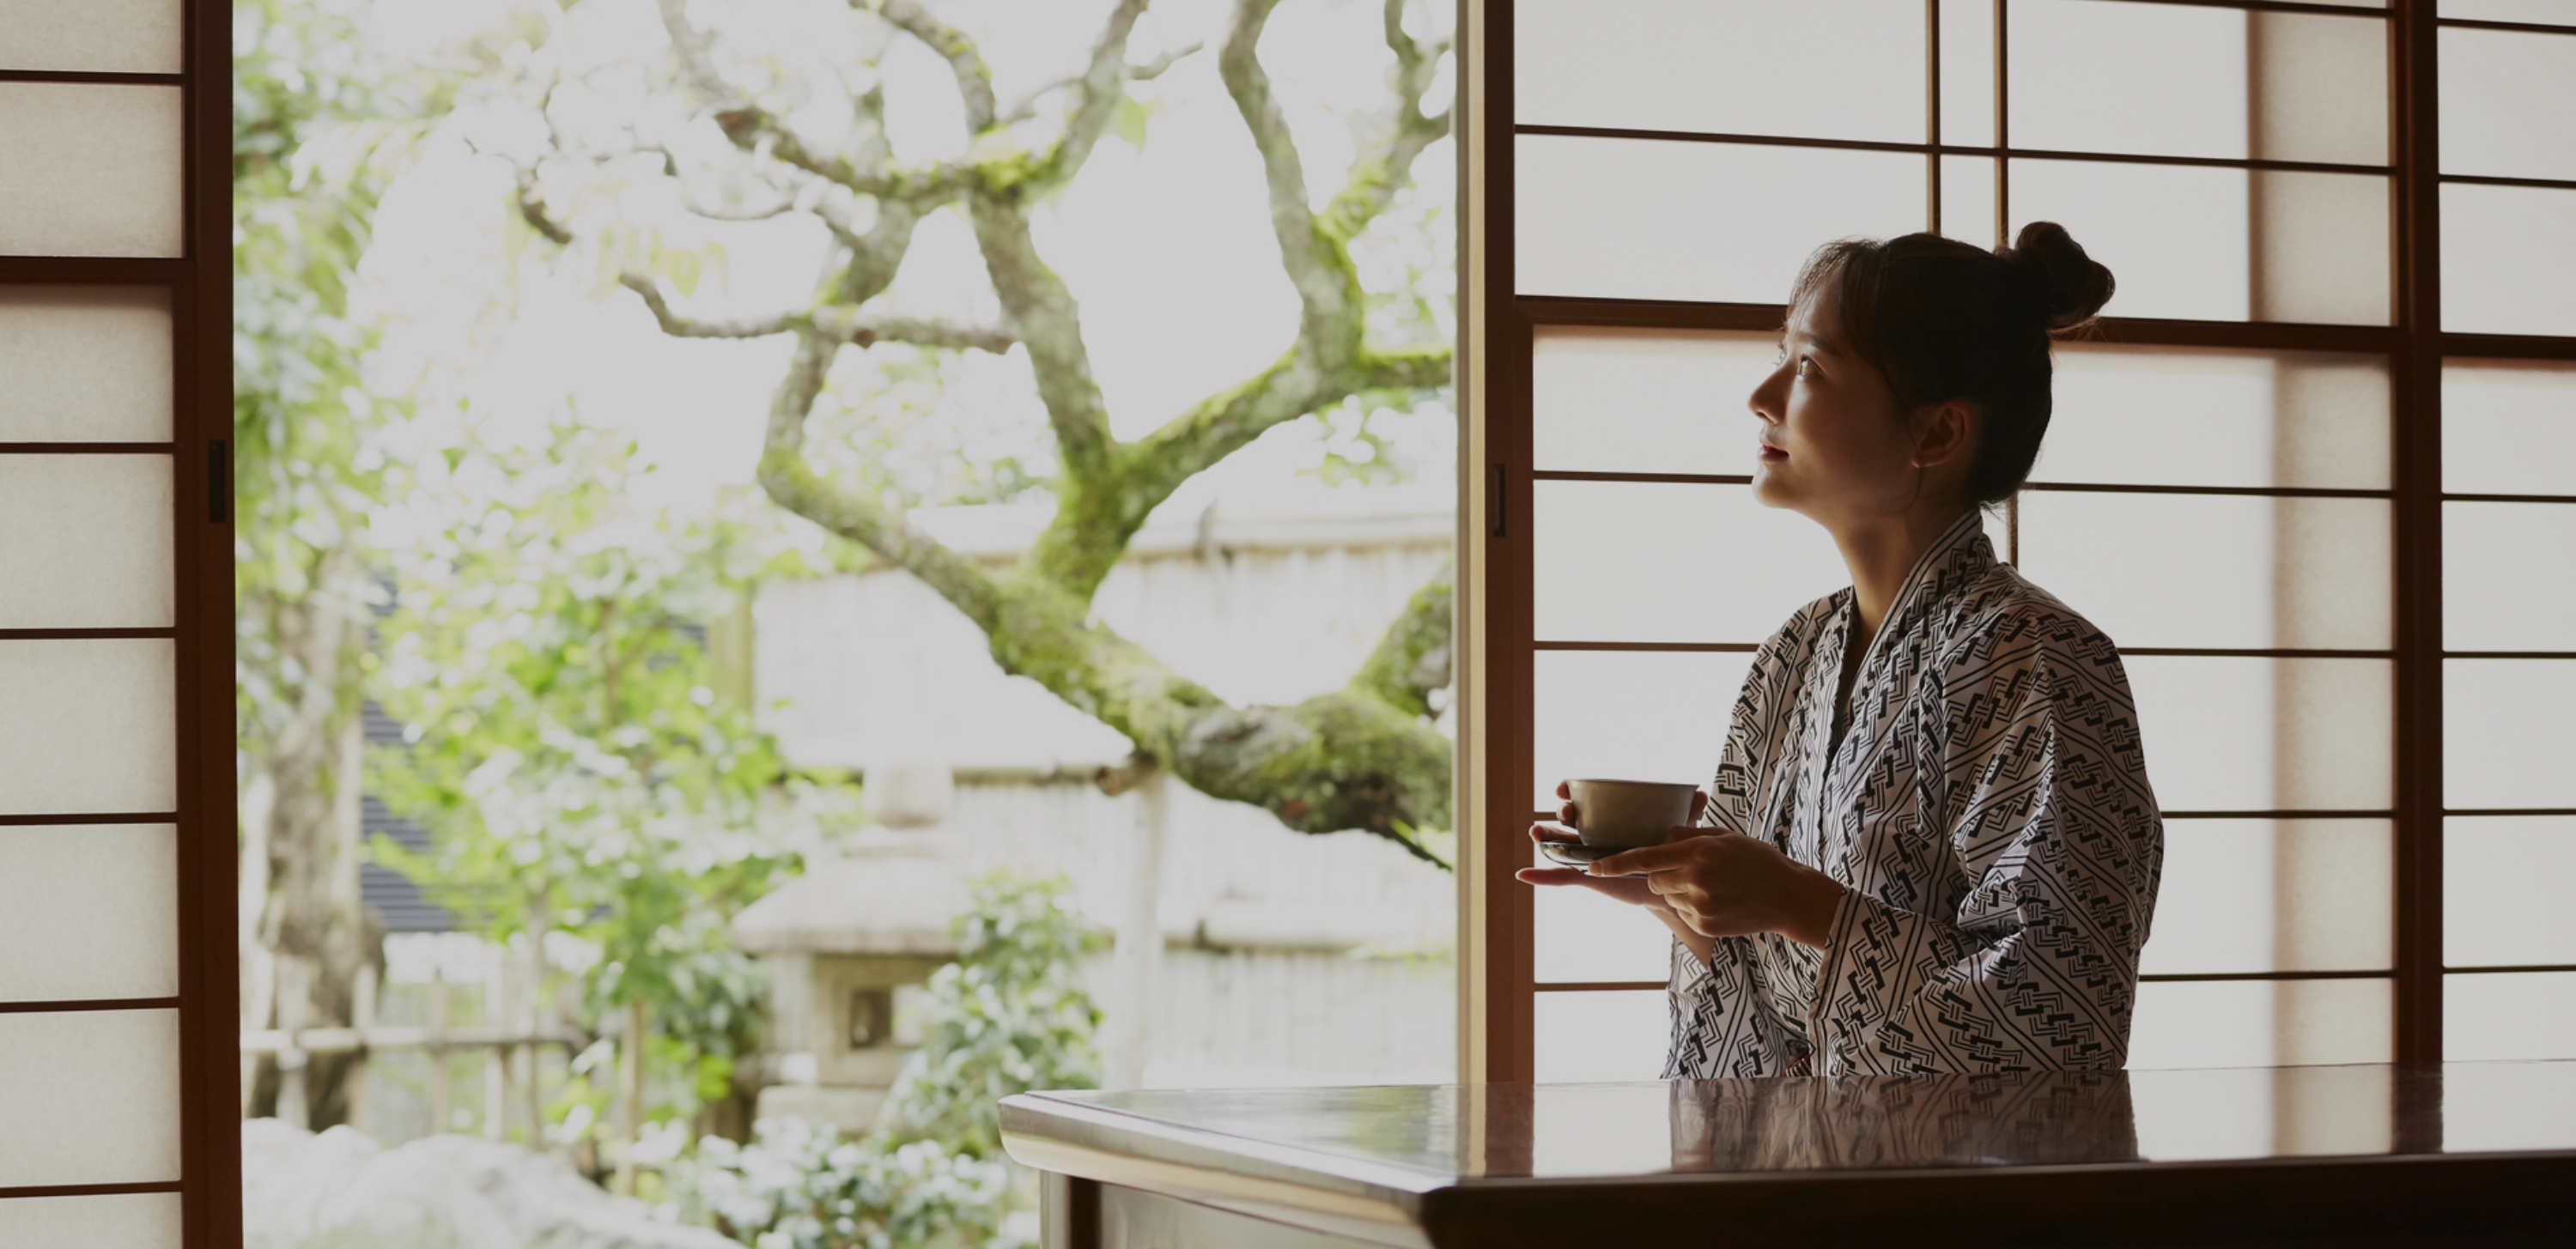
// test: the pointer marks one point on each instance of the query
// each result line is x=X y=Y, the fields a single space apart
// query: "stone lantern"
x=848 y=945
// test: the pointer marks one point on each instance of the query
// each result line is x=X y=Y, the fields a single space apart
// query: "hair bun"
x=2070 y=285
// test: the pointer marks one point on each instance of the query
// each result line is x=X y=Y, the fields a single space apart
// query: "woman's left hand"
x=1725 y=884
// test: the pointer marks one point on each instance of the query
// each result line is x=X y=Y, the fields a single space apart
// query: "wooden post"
x=630 y=1062
x=496 y=1058
x=539 y=1017
x=1140 y=939
x=441 y=1118
x=362 y=1016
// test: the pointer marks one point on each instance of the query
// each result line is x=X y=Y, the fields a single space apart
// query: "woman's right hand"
x=1629 y=889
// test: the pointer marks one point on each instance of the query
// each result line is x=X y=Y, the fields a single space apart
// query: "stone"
x=341 y=1190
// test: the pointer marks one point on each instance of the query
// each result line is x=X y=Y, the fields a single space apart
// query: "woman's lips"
x=1766 y=452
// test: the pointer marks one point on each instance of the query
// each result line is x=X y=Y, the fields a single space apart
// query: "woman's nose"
x=1764 y=402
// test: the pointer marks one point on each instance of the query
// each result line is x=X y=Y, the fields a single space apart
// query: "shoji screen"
x=116 y=1004
x=2242 y=486
x=2508 y=246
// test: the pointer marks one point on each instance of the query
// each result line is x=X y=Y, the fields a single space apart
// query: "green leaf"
x=1127 y=121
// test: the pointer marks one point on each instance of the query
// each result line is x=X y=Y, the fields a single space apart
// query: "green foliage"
x=796 y=1187
x=319 y=127
x=1008 y=1016
x=1005 y=1018
x=566 y=749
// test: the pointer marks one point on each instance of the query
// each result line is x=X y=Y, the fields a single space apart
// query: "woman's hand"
x=1629 y=889
x=1724 y=884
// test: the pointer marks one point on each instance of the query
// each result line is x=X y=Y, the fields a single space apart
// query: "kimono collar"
x=1960 y=555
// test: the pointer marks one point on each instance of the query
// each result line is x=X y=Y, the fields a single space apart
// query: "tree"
x=566 y=747
x=1366 y=756
x=318 y=126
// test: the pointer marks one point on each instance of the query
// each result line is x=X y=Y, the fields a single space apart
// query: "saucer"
x=1576 y=854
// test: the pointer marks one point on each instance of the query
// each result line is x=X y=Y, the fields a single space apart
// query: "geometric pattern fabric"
x=1988 y=811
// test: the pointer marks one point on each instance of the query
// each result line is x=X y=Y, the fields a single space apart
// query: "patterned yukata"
x=1988 y=810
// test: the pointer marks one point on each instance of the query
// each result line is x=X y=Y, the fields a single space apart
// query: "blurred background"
x=807 y=566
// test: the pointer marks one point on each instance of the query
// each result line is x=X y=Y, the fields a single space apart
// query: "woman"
x=1930 y=844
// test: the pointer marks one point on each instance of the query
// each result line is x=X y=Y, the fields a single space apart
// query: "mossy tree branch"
x=1364 y=757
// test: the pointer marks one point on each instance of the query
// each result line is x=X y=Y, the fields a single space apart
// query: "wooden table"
x=2449 y=1154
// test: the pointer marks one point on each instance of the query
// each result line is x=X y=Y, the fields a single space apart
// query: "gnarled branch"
x=1362 y=757
x=868 y=170
x=965 y=60
x=1328 y=287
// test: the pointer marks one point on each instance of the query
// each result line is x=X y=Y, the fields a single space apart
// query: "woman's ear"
x=1945 y=432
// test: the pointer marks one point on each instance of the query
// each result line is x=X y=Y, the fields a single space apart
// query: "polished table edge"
x=1372 y=1201
x=1403 y=1206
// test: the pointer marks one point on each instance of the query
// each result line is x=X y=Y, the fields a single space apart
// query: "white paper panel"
x=92 y=170
x=2177 y=88
x=2320 y=88
x=2504 y=890
x=2215 y=570
x=2509 y=427
x=1968 y=199
x=1639 y=715
x=2324 y=252
x=1617 y=1034
x=85 y=541
x=91 y=727
x=1584 y=936
x=1722 y=68
x=2540 y=12
x=2506 y=736
x=2184 y=80
x=1968 y=75
x=123 y=1221
x=2272 y=895
x=2506 y=98
x=2171 y=416
x=1628 y=562
x=1646 y=401
x=100 y=36
x=2260 y=1023
x=1646 y=219
x=84 y=364
x=2500 y=1015
x=2501 y=272
x=2508 y=582
x=89 y=1097
x=88 y=911
x=2233 y=734
x=2180 y=240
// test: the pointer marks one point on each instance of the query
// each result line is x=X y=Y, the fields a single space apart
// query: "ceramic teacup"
x=1628 y=813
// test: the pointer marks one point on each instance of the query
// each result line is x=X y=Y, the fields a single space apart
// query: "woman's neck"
x=1879 y=553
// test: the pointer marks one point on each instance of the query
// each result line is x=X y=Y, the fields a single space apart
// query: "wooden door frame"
x=199 y=287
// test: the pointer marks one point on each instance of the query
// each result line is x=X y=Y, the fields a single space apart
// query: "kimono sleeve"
x=2047 y=805
x=1724 y=1022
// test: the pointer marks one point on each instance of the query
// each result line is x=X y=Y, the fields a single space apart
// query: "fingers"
x=1566 y=813
x=1699 y=804
x=1548 y=876
x=1553 y=832
x=1647 y=859
x=1562 y=791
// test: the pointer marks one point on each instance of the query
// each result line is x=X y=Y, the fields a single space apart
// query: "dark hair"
x=1943 y=320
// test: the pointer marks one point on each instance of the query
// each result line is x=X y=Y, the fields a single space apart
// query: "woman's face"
x=1834 y=446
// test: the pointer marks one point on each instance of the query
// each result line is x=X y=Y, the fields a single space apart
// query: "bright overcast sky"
x=1168 y=250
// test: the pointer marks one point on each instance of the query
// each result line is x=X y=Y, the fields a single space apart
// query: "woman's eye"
x=1803 y=362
